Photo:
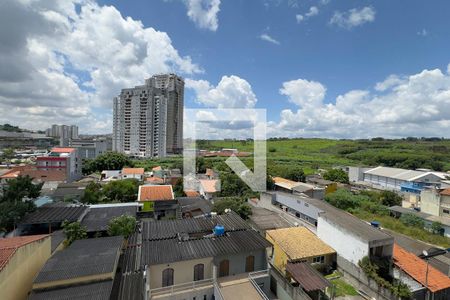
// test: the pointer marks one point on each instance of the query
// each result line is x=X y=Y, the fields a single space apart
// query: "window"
x=224 y=268
x=319 y=259
x=250 y=263
x=199 y=272
x=446 y=211
x=167 y=277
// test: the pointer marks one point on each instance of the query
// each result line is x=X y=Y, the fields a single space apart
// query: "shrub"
x=73 y=231
x=123 y=225
x=412 y=220
x=337 y=175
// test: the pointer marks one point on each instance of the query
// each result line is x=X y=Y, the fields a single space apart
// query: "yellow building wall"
x=280 y=258
x=331 y=188
x=18 y=275
x=183 y=271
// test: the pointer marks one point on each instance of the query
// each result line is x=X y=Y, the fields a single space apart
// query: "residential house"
x=21 y=258
x=299 y=188
x=209 y=188
x=109 y=175
x=133 y=173
x=158 y=199
x=297 y=255
x=193 y=254
x=192 y=207
x=398 y=211
x=86 y=268
x=49 y=218
x=62 y=159
x=69 y=191
x=424 y=280
x=435 y=201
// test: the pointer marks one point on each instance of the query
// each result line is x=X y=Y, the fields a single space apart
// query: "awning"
x=308 y=277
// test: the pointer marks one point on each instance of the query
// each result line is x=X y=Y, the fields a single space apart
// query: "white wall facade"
x=345 y=244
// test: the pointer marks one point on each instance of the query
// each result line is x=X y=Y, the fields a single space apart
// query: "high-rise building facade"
x=64 y=132
x=148 y=119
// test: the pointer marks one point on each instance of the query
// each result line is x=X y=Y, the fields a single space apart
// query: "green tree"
x=121 y=190
x=390 y=198
x=21 y=187
x=12 y=212
x=345 y=199
x=8 y=153
x=436 y=228
x=200 y=165
x=107 y=161
x=93 y=193
x=337 y=175
x=236 y=204
x=178 y=188
x=412 y=220
x=123 y=225
x=295 y=174
x=73 y=231
x=270 y=184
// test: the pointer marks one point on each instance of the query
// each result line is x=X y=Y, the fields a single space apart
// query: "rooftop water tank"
x=219 y=230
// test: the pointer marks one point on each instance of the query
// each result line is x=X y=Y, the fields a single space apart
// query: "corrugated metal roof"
x=308 y=277
x=166 y=229
x=172 y=250
x=82 y=258
x=131 y=287
x=92 y=291
x=97 y=219
x=397 y=173
x=52 y=214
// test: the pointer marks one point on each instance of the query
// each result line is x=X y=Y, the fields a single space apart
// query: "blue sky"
x=322 y=50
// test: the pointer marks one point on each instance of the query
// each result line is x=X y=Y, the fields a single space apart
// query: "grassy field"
x=312 y=154
x=341 y=287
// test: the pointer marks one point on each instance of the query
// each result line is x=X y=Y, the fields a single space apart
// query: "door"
x=224 y=268
x=250 y=263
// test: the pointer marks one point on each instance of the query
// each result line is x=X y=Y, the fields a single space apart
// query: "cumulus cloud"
x=204 y=13
x=313 y=11
x=415 y=105
x=422 y=32
x=231 y=92
x=353 y=17
x=268 y=38
x=61 y=60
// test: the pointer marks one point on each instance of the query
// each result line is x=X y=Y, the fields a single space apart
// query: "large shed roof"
x=92 y=291
x=82 y=258
x=97 y=219
x=166 y=229
x=172 y=250
x=52 y=214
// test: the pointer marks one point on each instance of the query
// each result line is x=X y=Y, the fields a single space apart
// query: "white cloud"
x=59 y=63
x=415 y=105
x=268 y=38
x=422 y=32
x=231 y=92
x=303 y=92
x=204 y=13
x=353 y=17
x=313 y=11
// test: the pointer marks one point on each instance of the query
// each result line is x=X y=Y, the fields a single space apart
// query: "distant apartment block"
x=64 y=132
x=148 y=119
x=91 y=148
x=63 y=159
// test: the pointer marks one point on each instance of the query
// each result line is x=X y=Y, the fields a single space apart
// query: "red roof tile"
x=155 y=192
x=9 y=246
x=132 y=171
x=156 y=180
x=192 y=193
x=63 y=150
x=445 y=192
x=209 y=185
x=416 y=268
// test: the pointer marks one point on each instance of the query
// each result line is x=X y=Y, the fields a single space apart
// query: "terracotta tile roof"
x=299 y=242
x=131 y=171
x=416 y=268
x=155 y=192
x=158 y=168
x=155 y=180
x=445 y=192
x=209 y=172
x=63 y=150
x=191 y=193
x=9 y=246
x=209 y=185
x=10 y=174
x=46 y=175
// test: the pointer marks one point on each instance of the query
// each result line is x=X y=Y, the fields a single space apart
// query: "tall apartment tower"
x=148 y=119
